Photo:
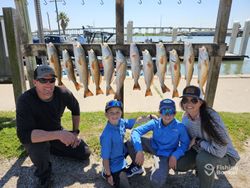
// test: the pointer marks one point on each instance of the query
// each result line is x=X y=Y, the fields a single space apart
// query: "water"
x=227 y=67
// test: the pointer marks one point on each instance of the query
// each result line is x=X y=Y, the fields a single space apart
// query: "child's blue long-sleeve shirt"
x=167 y=140
x=112 y=144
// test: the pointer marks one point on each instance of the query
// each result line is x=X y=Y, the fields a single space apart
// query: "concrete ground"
x=231 y=95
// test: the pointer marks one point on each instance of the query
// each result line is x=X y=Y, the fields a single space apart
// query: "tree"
x=64 y=20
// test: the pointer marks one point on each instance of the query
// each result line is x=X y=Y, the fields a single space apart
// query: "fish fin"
x=78 y=86
x=175 y=93
x=53 y=59
x=161 y=60
x=109 y=91
x=175 y=66
x=80 y=62
x=165 y=89
x=137 y=86
x=99 y=91
x=113 y=77
x=178 y=81
x=148 y=92
x=149 y=65
x=87 y=93
x=202 y=90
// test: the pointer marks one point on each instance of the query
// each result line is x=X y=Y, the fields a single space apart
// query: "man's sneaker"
x=134 y=169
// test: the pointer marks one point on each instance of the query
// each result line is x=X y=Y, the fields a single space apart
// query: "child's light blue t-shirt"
x=112 y=144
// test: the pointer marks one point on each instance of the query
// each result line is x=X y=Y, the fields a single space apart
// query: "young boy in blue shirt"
x=168 y=143
x=113 y=150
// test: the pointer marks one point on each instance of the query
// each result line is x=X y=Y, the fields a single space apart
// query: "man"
x=38 y=118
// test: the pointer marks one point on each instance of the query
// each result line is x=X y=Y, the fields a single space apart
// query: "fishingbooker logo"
x=220 y=169
x=209 y=169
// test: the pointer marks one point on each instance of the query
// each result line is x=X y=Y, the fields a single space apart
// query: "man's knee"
x=38 y=150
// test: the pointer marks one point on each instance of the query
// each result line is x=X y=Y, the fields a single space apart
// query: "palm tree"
x=64 y=20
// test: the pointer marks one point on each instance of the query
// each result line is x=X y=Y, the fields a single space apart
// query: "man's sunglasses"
x=44 y=80
x=185 y=100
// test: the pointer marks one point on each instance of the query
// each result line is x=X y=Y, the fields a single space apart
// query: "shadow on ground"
x=87 y=174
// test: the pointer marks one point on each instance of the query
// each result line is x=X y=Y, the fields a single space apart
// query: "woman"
x=211 y=148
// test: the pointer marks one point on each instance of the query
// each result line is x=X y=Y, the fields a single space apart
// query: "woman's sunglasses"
x=44 y=80
x=185 y=100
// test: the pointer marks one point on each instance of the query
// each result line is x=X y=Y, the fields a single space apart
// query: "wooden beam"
x=219 y=38
x=40 y=49
x=15 y=57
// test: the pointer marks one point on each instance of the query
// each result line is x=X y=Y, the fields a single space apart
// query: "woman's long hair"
x=209 y=124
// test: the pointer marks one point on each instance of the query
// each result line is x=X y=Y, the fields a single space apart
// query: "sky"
x=189 y=13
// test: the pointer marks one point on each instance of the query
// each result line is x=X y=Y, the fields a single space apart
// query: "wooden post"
x=174 y=34
x=232 y=42
x=219 y=38
x=130 y=32
x=245 y=37
x=5 y=74
x=25 y=36
x=120 y=33
x=14 y=50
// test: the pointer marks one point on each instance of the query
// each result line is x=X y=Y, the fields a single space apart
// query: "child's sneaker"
x=103 y=174
x=134 y=169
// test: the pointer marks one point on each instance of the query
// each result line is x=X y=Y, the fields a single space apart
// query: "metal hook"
x=140 y=2
x=102 y=3
x=159 y=2
x=83 y=3
x=199 y=1
x=45 y=2
x=179 y=2
x=64 y=2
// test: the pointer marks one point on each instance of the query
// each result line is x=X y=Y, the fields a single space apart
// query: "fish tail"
x=137 y=86
x=148 y=92
x=165 y=89
x=99 y=91
x=117 y=96
x=175 y=93
x=109 y=91
x=60 y=83
x=77 y=86
x=87 y=93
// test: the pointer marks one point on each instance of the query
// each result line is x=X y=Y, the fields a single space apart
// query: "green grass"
x=92 y=124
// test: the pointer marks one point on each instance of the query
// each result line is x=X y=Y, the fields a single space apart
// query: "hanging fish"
x=135 y=65
x=161 y=65
x=69 y=67
x=174 y=62
x=188 y=60
x=203 y=66
x=148 y=71
x=95 y=71
x=82 y=68
x=121 y=67
x=108 y=65
x=54 y=62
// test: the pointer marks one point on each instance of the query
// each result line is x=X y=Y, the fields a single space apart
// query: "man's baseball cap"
x=167 y=106
x=43 y=71
x=192 y=91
